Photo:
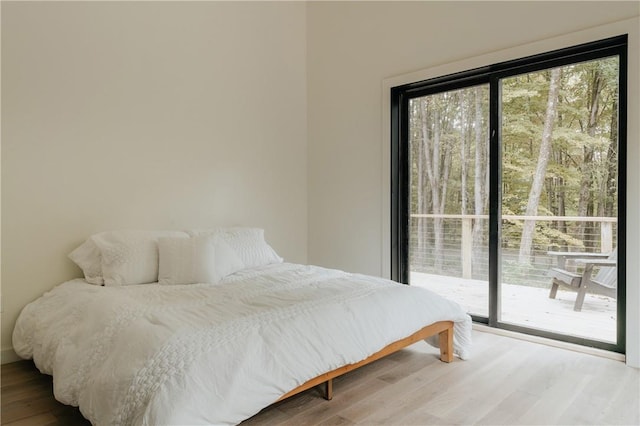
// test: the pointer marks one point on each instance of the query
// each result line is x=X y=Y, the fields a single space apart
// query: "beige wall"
x=151 y=115
x=354 y=47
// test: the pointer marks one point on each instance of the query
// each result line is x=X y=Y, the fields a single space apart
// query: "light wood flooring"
x=506 y=382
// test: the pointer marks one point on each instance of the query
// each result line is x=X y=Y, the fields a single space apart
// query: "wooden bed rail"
x=443 y=328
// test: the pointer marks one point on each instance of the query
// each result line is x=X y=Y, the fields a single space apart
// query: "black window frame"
x=491 y=75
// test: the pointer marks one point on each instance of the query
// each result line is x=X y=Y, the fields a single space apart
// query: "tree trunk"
x=463 y=160
x=431 y=159
x=480 y=180
x=435 y=156
x=420 y=204
x=435 y=194
x=556 y=192
x=585 y=203
x=526 y=243
x=562 y=211
x=611 y=181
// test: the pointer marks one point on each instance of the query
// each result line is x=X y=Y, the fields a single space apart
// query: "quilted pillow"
x=87 y=256
x=130 y=257
x=248 y=243
x=201 y=259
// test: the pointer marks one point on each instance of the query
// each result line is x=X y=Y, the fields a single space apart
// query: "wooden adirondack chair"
x=604 y=282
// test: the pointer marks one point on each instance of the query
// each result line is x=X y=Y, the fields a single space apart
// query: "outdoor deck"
x=530 y=306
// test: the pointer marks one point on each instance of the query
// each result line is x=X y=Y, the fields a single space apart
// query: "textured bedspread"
x=216 y=354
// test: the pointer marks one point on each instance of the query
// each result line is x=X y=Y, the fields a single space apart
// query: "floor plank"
x=506 y=382
x=27 y=399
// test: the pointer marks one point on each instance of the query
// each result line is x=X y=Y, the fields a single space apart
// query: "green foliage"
x=580 y=163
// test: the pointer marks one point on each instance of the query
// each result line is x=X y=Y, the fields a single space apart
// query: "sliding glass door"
x=505 y=184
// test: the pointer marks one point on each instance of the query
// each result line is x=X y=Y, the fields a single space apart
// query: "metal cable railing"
x=461 y=250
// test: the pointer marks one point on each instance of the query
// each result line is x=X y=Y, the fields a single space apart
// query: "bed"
x=218 y=352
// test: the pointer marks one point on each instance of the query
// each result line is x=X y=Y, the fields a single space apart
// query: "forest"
x=559 y=160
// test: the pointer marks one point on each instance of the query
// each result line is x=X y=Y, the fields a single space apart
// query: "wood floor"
x=27 y=399
x=506 y=382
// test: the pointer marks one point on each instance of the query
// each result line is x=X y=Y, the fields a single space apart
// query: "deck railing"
x=462 y=259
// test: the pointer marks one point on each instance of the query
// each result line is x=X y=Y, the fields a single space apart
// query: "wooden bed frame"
x=443 y=328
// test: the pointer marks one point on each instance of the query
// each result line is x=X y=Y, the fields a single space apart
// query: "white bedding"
x=216 y=354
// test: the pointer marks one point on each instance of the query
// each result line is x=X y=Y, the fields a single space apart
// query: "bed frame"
x=443 y=328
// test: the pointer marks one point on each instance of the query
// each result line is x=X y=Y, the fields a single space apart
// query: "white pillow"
x=248 y=243
x=227 y=260
x=87 y=256
x=201 y=259
x=130 y=257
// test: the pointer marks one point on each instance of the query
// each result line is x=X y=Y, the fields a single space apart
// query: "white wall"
x=354 y=47
x=172 y=115
x=150 y=115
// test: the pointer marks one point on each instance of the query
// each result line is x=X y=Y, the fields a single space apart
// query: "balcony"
x=525 y=288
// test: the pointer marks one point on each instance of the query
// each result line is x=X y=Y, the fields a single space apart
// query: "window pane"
x=559 y=194
x=449 y=180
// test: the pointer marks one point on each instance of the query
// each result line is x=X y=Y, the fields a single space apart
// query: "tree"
x=541 y=168
x=437 y=163
x=556 y=157
x=481 y=175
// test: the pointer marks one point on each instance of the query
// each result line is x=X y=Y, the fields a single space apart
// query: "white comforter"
x=216 y=354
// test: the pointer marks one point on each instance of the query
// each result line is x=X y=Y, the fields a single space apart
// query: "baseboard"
x=550 y=342
x=8 y=355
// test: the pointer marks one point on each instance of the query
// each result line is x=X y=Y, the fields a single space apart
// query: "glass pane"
x=559 y=199
x=449 y=178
